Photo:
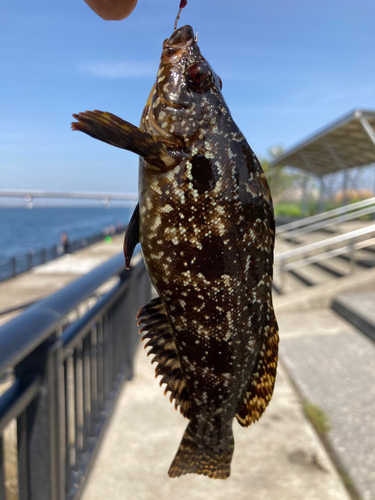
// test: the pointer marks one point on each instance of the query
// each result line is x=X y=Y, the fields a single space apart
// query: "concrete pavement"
x=278 y=458
x=333 y=366
x=48 y=278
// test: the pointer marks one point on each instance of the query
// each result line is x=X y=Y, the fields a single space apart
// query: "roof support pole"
x=371 y=134
x=305 y=178
x=342 y=166
x=304 y=207
x=321 y=203
x=369 y=130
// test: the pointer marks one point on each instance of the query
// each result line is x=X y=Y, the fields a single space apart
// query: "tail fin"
x=195 y=458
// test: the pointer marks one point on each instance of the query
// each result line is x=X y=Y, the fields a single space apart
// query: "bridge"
x=30 y=195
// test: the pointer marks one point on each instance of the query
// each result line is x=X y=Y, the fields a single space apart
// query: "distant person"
x=65 y=242
x=119 y=228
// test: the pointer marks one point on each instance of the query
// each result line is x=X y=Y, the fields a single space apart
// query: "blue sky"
x=288 y=67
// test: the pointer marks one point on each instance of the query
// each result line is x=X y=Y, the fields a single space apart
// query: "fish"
x=206 y=226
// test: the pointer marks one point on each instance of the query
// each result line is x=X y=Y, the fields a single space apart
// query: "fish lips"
x=182 y=36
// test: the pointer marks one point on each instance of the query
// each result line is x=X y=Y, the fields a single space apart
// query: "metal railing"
x=66 y=381
x=18 y=264
x=347 y=243
x=308 y=224
x=318 y=226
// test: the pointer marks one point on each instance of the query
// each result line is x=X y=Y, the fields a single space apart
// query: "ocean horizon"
x=23 y=230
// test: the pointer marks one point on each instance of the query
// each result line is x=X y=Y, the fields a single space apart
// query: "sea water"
x=22 y=230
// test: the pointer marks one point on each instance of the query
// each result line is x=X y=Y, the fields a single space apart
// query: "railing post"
x=13 y=263
x=352 y=257
x=41 y=427
x=282 y=277
x=30 y=260
x=2 y=469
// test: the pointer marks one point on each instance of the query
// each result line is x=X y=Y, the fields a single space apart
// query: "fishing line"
x=183 y=4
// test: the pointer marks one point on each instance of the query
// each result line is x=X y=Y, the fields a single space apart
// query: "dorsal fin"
x=160 y=338
x=131 y=236
x=260 y=388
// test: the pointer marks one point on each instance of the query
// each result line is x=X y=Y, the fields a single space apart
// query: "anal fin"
x=131 y=236
x=260 y=389
x=157 y=330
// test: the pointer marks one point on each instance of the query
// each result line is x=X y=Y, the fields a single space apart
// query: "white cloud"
x=120 y=69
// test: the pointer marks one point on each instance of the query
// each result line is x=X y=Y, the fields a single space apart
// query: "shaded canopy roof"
x=348 y=142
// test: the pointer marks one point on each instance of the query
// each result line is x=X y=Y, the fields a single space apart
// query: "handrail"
x=66 y=380
x=325 y=215
x=23 y=334
x=16 y=398
x=330 y=222
x=323 y=256
x=23 y=262
x=327 y=243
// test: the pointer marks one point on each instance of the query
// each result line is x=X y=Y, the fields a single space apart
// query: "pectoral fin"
x=113 y=130
x=131 y=236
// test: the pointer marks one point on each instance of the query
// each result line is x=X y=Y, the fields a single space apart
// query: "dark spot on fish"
x=219 y=362
x=257 y=268
x=255 y=307
x=211 y=261
x=204 y=174
x=250 y=162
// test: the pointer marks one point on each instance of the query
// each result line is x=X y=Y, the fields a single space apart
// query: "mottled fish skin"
x=206 y=227
x=207 y=233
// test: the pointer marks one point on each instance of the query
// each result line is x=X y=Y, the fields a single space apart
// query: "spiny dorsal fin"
x=160 y=338
x=260 y=388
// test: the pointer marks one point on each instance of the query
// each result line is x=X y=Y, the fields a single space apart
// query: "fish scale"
x=206 y=226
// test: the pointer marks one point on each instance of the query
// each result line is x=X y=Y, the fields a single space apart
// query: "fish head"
x=186 y=90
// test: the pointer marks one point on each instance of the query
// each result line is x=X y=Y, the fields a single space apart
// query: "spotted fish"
x=206 y=226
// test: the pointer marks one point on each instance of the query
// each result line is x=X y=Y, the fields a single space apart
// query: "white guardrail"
x=347 y=243
x=310 y=223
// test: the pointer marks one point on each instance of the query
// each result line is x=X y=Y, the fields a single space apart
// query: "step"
x=358 y=309
x=291 y=284
x=364 y=258
x=335 y=266
x=312 y=275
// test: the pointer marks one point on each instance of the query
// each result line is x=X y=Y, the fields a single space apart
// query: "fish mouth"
x=182 y=36
x=180 y=40
x=165 y=98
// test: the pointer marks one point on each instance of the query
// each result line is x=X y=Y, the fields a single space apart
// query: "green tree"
x=280 y=179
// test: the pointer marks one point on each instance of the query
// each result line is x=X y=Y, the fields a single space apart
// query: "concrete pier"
x=281 y=456
x=278 y=458
x=46 y=279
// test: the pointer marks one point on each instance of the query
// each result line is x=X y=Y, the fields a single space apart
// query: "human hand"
x=112 y=10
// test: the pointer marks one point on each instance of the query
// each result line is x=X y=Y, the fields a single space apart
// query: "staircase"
x=326 y=247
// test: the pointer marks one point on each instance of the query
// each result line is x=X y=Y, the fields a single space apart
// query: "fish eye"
x=198 y=76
